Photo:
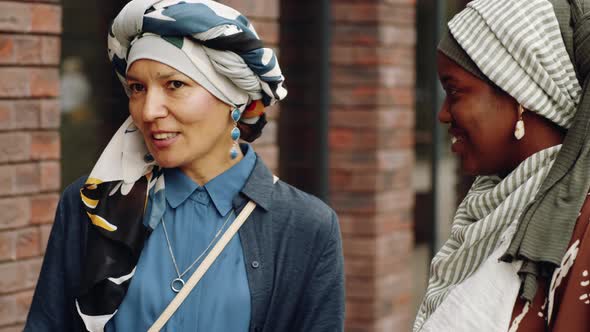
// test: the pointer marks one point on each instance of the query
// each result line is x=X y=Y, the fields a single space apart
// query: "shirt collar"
x=224 y=187
x=221 y=189
x=179 y=186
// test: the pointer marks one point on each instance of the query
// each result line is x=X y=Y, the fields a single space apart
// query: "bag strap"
x=205 y=265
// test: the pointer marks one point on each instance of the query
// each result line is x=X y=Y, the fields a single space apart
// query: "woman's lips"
x=457 y=144
x=458 y=137
x=162 y=140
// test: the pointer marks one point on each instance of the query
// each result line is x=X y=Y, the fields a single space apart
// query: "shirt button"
x=255 y=264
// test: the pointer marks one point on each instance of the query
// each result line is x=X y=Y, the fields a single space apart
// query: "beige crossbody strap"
x=204 y=266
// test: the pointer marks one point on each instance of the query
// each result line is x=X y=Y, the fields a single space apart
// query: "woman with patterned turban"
x=518 y=109
x=173 y=186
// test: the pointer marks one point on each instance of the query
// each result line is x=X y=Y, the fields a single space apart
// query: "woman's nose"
x=444 y=115
x=154 y=107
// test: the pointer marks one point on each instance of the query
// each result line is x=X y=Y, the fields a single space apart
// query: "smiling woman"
x=482 y=119
x=518 y=106
x=167 y=196
x=182 y=123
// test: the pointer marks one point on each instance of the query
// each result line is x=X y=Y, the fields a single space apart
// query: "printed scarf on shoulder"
x=125 y=186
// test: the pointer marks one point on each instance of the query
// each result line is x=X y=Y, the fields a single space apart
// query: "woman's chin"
x=164 y=162
x=474 y=170
x=469 y=168
x=470 y=172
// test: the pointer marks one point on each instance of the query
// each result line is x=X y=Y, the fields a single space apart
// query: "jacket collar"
x=258 y=187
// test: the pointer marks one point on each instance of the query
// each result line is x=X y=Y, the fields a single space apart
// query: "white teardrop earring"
x=519 y=129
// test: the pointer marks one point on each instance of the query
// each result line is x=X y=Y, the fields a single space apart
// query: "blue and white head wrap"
x=197 y=28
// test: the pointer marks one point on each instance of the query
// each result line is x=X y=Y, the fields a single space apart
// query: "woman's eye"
x=452 y=92
x=136 y=87
x=175 y=84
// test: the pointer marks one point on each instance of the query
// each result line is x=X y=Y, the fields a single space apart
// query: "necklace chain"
x=180 y=275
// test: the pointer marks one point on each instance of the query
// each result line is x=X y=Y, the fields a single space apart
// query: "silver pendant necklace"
x=178 y=283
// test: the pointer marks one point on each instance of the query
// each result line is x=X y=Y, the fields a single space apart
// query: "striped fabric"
x=490 y=206
x=517 y=44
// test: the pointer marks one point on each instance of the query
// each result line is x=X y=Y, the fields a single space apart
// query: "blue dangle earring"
x=235 y=133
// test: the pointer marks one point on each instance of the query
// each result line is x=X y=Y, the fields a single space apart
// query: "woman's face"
x=481 y=119
x=183 y=125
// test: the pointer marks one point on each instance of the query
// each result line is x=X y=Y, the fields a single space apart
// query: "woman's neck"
x=211 y=165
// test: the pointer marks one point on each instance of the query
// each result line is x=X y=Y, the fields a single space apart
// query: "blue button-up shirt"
x=194 y=214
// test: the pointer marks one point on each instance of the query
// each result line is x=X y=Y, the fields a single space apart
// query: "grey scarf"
x=546 y=226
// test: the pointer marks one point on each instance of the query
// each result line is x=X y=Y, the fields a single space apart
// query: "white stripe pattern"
x=517 y=44
x=491 y=205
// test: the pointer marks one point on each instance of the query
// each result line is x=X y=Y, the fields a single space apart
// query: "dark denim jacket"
x=292 y=249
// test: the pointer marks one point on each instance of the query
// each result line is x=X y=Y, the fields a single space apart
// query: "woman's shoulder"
x=71 y=193
x=294 y=206
x=70 y=203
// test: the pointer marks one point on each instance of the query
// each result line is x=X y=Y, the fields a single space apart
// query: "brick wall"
x=29 y=147
x=372 y=156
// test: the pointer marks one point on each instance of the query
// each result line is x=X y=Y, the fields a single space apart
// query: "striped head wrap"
x=124 y=196
x=517 y=46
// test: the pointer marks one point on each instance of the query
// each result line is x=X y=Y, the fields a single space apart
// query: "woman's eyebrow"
x=131 y=78
x=159 y=76
x=167 y=75
x=445 y=79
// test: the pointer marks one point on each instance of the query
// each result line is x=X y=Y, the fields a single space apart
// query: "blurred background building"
x=358 y=130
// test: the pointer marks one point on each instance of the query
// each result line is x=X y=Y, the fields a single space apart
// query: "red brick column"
x=372 y=156
x=29 y=147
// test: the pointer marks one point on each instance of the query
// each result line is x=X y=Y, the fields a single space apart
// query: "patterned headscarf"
x=124 y=197
x=517 y=46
